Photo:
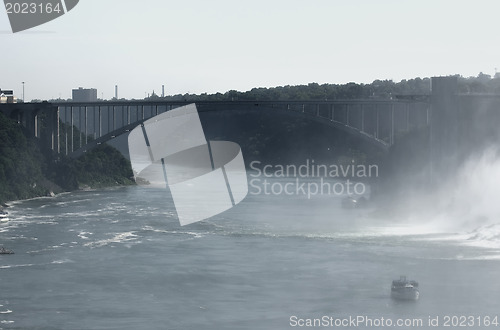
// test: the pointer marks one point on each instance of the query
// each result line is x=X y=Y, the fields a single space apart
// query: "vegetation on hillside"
x=102 y=167
x=26 y=170
x=21 y=163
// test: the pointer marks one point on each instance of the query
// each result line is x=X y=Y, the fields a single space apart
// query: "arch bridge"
x=82 y=126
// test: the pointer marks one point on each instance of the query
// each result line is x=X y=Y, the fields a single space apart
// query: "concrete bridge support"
x=444 y=135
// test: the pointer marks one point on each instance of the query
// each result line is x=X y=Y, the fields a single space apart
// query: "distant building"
x=84 y=95
x=7 y=97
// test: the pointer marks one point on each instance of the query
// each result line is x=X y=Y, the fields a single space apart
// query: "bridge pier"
x=444 y=125
x=99 y=121
x=347 y=115
x=407 y=114
x=86 y=125
x=72 y=128
x=391 y=136
x=362 y=117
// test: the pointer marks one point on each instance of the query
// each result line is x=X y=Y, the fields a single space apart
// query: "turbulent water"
x=118 y=259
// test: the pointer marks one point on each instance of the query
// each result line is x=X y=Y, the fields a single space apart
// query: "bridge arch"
x=351 y=130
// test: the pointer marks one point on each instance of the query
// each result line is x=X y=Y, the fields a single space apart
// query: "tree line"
x=378 y=89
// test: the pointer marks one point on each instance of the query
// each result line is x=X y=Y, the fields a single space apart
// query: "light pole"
x=23 y=92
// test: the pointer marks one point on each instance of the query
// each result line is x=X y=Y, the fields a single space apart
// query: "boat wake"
x=62 y=261
x=16 y=266
x=118 y=238
x=191 y=234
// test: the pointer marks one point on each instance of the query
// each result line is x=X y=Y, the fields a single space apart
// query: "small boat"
x=5 y=251
x=404 y=289
x=350 y=202
x=4 y=216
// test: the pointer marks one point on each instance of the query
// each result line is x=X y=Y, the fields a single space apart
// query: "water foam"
x=117 y=238
x=15 y=266
x=62 y=261
x=84 y=234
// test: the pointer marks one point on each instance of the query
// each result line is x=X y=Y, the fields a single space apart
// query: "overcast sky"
x=196 y=46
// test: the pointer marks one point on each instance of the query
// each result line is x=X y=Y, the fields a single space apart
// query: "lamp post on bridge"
x=23 y=93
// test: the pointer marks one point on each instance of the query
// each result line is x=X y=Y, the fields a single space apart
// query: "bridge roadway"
x=86 y=125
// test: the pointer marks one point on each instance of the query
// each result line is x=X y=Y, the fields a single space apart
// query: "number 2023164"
x=33 y=8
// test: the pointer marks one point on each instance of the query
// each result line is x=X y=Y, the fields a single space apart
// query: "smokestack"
x=116 y=92
x=162 y=90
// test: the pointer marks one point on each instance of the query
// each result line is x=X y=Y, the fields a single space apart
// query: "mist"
x=465 y=205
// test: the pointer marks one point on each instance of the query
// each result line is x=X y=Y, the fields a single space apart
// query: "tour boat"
x=404 y=289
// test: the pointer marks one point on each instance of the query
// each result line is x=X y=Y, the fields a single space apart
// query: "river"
x=118 y=259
